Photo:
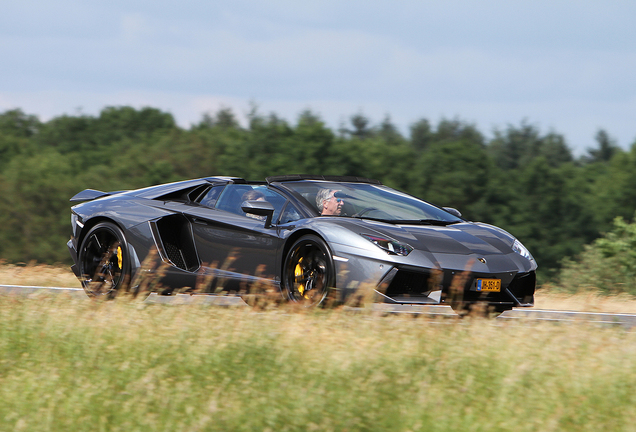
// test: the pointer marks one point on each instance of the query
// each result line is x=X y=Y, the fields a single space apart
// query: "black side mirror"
x=453 y=211
x=259 y=208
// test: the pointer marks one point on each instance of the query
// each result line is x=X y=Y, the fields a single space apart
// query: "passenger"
x=327 y=202
x=254 y=195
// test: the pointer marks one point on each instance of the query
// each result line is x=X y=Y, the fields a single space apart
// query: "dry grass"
x=592 y=302
x=33 y=274
x=546 y=298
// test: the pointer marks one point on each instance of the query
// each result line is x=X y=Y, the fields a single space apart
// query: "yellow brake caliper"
x=298 y=273
x=120 y=257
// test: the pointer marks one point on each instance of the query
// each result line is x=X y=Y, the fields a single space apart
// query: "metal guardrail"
x=26 y=291
x=624 y=320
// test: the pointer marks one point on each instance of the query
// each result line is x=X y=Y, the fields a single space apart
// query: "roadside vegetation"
x=74 y=365
x=521 y=179
x=41 y=275
x=549 y=296
x=606 y=266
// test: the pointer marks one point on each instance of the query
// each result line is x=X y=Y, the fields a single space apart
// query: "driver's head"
x=328 y=203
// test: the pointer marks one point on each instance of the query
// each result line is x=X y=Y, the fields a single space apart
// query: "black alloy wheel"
x=103 y=261
x=308 y=273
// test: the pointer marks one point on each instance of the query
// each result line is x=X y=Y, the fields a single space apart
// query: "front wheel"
x=308 y=272
x=103 y=261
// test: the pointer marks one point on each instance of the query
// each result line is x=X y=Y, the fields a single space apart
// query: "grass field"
x=76 y=365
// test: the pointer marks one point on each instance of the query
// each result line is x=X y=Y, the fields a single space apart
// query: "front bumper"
x=405 y=285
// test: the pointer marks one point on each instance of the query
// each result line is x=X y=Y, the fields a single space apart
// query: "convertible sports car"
x=311 y=238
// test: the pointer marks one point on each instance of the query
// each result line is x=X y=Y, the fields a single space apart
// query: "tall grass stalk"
x=74 y=365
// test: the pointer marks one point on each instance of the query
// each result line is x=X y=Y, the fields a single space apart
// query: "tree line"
x=521 y=179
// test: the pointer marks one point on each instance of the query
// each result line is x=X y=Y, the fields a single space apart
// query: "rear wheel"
x=308 y=272
x=104 y=261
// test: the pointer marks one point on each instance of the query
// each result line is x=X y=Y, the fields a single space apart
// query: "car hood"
x=463 y=239
x=453 y=246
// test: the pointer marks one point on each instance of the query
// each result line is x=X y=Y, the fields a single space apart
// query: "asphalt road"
x=624 y=320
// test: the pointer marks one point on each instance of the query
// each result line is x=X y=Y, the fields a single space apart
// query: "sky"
x=564 y=66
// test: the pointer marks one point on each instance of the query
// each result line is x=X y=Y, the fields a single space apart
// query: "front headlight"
x=521 y=250
x=390 y=246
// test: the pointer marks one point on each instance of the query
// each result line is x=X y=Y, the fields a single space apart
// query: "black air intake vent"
x=174 y=254
x=523 y=286
x=175 y=241
x=408 y=283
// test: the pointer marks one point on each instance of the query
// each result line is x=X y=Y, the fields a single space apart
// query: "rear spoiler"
x=91 y=194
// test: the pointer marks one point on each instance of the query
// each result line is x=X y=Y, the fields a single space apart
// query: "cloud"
x=494 y=62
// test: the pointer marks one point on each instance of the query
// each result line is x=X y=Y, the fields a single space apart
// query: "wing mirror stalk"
x=259 y=208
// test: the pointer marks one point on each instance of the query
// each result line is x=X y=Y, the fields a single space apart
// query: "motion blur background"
x=519 y=114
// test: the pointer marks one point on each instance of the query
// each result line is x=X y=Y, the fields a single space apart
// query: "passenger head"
x=253 y=195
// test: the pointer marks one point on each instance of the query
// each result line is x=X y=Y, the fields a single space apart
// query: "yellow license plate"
x=491 y=285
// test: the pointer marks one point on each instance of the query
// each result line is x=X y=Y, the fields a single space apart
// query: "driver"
x=327 y=202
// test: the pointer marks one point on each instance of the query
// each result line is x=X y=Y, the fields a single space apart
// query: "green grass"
x=74 y=365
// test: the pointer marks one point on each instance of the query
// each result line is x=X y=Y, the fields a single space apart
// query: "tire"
x=104 y=261
x=308 y=271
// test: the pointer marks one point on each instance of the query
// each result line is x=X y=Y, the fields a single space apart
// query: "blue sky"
x=565 y=66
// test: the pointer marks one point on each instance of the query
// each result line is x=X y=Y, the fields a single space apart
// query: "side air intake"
x=174 y=241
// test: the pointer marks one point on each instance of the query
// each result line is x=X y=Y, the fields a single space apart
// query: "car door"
x=232 y=244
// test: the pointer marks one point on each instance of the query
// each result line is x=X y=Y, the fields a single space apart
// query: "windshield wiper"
x=391 y=221
x=436 y=222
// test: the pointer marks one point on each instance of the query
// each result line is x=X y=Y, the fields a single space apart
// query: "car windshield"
x=369 y=201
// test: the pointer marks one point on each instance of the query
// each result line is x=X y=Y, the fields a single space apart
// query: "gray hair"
x=252 y=195
x=321 y=196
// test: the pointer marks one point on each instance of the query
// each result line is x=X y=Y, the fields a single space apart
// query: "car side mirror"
x=259 y=208
x=452 y=211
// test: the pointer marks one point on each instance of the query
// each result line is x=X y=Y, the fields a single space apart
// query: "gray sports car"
x=313 y=239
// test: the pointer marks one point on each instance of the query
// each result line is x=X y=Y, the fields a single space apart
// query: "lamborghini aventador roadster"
x=309 y=238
